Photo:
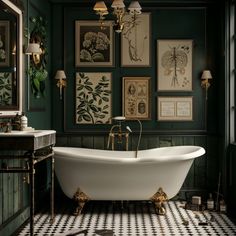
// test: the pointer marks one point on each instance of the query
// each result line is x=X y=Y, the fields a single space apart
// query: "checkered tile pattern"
x=131 y=219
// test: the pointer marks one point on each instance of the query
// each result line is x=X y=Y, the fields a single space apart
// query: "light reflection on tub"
x=118 y=175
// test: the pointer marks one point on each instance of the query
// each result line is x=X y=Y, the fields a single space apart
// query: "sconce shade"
x=118 y=4
x=206 y=74
x=135 y=7
x=60 y=74
x=33 y=48
x=119 y=11
x=100 y=6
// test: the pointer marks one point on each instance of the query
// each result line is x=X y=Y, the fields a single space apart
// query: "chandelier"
x=119 y=11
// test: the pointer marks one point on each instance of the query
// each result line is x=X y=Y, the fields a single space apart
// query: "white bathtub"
x=118 y=175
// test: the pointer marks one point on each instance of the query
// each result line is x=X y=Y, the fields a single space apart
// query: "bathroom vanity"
x=34 y=146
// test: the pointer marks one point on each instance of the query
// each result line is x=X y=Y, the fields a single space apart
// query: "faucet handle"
x=128 y=128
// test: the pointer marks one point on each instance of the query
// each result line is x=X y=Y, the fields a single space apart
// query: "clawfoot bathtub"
x=117 y=175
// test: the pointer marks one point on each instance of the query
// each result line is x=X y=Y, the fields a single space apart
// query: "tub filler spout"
x=119 y=134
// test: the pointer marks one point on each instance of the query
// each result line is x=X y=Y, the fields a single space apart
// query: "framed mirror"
x=11 y=66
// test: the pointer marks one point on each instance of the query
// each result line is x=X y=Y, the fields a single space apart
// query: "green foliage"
x=38 y=77
x=5 y=89
x=37 y=70
x=93 y=99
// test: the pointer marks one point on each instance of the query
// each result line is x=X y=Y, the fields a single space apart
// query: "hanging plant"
x=37 y=70
x=37 y=79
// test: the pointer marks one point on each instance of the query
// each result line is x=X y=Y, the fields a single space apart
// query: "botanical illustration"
x=175 y=65
x=4 y=43
x=135 y=44
x=93 y=98
x=175 y=108
x=94 y=45
x=5 y=89
x=136 y=97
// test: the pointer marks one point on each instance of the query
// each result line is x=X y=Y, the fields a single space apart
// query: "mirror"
x=10 y=59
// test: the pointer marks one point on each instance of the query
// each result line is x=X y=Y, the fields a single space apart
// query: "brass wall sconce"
x=205 y=83
x=61 y=83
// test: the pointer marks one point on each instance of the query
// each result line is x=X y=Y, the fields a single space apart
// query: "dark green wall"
x=163 y=27
x=39 y=109
x=168 y=21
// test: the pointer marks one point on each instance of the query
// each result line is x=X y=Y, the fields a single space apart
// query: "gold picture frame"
x=175 y=108
x=137 y=98
x=174 y=64
x=92 y=52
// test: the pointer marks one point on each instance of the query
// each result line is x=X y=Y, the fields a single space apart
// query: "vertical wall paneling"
x=200 y=164
x=189 y=182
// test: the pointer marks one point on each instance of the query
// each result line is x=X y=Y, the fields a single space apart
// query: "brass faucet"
x=119 y=134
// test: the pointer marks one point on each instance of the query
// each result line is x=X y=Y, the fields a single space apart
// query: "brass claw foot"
x=81 y=198
x=158 y=199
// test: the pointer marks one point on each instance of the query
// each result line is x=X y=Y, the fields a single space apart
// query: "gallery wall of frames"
x=149 y=72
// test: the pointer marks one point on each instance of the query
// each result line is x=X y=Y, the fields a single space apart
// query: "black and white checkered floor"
x=135 y=218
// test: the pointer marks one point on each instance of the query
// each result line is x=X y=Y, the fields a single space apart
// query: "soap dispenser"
x=23 y=121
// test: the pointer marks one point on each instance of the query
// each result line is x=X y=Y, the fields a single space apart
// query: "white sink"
x=34 y=133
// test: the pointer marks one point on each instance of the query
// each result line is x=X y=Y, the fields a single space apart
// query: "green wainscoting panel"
x=12 y=226
x=74 y=141
x=13 y=196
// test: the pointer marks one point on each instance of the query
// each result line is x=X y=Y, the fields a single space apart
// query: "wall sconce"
x=119 y=11
x=206 y=76
x=61 y=83
x=33 y=48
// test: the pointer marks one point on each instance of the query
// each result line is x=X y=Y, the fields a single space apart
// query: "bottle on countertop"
x=16 y=122
x=223 y=206
x=210 y=202
x=23 y=121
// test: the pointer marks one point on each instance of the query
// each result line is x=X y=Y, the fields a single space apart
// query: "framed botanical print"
x=93 y=98
x=136 y=98
x=135 y=41
x=4 y=43
x=6 y=89
x=94 y=44
x=174 y=68
x=175 y=108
